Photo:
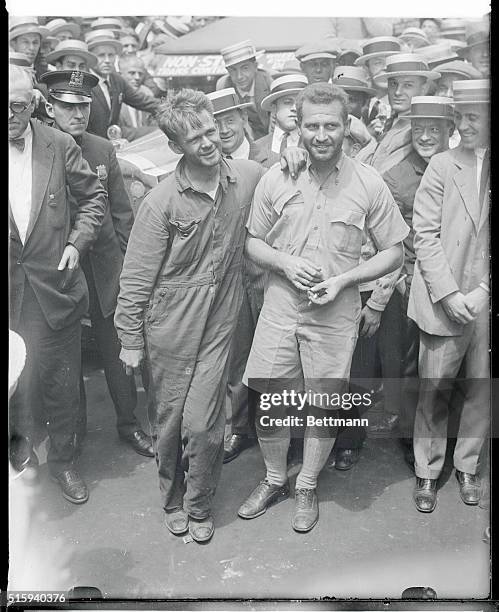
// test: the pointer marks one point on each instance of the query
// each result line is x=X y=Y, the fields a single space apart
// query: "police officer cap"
x=70 y=85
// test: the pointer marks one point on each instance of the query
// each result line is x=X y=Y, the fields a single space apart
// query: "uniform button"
x=162 y=293
x=212 y=289
x=319 y=207
x=316 y=227
x=51 y=196
x=188 y=370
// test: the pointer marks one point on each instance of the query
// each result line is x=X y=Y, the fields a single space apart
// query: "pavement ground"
x=370 y=541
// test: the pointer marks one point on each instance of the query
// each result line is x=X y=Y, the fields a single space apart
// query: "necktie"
x=110 y=92
x=374 y=112
x=484 y=176
x=18 y=143
x=284 y=142
x=388 y=124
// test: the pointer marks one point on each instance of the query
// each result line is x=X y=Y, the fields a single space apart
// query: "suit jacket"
x=57 y=166
x=403 y=181
x=451 y=239
x=261 y=151
x=100 y=115
x=258 y=119
x=395 y=146
x=104 y=259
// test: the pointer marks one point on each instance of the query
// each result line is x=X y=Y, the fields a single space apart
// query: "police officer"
x=70 y=96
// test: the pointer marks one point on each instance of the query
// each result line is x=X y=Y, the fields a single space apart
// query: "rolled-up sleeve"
x=147 y=248
x=262 y=215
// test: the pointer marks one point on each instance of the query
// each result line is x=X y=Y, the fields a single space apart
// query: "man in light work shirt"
x=180 y=295
x=308 y=233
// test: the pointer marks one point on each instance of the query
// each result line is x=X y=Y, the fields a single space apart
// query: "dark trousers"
x=121 y=387
x=376 y=357
x=410 y=382
x=50 y=381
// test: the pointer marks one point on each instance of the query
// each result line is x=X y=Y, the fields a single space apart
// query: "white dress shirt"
x=104 y=88
x=20 y=182
x=278 y=135
x=242 y=151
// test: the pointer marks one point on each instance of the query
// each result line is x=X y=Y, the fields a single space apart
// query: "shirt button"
x=316 y=227
x=319 y=207
x=212 y=289
x=188 y=370
x=51 y=196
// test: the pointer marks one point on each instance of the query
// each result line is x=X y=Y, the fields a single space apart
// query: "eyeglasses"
x=18 y=107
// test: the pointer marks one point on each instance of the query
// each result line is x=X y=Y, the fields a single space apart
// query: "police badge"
x=76 y=79
x=101 y=172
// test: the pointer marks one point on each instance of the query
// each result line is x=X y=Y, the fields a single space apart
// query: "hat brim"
x=459 y=102
x=229 y=108
x=463 y=51
x=72 y=98
x=107 y=41
x=90 y=58
x=363 y=59
x=240 y=61
x=430 y=75
x=41 y=30
x=425 y=117
x=74 y=28
x=367 y=90
x=271 y=98
x=312 y=56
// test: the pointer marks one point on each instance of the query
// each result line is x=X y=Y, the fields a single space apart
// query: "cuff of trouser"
x=422 y=472
x=470 y=467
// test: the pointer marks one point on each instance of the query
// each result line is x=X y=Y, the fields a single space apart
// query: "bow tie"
x=18 y=143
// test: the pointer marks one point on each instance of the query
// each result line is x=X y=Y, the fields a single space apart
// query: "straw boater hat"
x=72 y=47
x=283 y=86
x=430 y=107
x=439 y=53
x=107 y=23
x=462 y=69
x=453 y=28
x=70 y=85
x=26 y=25
x=476 y=91
x=289 y=67
x=240 y=52
x=103 y=37
x=225 y=100
x=472 y=40
x=352 y=78
x=354 y=52
x=406 y=64
x=323 y=49
x=415 y=36
x=61 y=25
x=380 y=46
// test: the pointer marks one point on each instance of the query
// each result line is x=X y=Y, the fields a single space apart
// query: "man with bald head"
x=48 y=292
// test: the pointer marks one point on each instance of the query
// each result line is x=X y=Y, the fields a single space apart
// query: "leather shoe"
x=140 y=442
x=306 y=510
x=235 y=446
x=73 y=487
x=346 y=458
x=263 y=496
x=425 y=494
x=21 y=454
x=469 y=487
x=201 y=530
x=177 y=521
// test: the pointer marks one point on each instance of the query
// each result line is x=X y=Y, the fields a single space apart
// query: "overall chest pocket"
x=185 y=246
x=57 y=208
x=345 y=231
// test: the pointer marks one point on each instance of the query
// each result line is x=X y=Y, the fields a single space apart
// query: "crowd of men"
x=324 y=225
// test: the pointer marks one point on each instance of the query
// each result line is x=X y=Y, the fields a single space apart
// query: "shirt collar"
x=250 y=92
x=27 y=132
x=227 y=175
x=480 y=152
x=418 y=163
x=101 y=79
x=338 y=166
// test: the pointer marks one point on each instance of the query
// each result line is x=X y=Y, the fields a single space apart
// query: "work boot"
x=177 y=521
x=262 y=497
x=306 y=510
x=201 y=530
x=235 y=446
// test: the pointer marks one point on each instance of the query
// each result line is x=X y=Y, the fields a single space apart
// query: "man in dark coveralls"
x=180 y=294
